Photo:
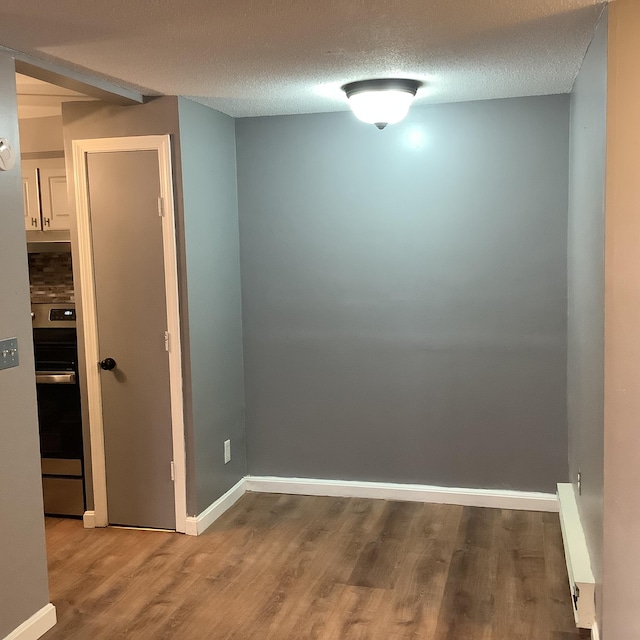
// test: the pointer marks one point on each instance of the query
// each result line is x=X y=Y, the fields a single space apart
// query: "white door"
x=128 y=264
x=128 y=268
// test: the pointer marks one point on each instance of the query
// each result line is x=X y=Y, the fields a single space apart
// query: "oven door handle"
x=55 y=377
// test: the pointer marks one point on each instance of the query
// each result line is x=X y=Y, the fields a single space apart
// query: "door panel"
x=53 y=186
x=32 y=218
x=128 y=260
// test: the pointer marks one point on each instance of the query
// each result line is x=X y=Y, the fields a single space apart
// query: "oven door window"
x=60 y=420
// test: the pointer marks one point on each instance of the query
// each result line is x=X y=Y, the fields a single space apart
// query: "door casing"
x=161 y=144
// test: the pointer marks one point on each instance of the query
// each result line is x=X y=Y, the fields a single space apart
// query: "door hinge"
x=173 y=472
x=160 y=206
x=166 y=341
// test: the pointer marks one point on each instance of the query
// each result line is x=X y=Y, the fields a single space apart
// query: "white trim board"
x=89 y=520
x=595 y=631
x=581 y=580
x=198 y=524
x=494 y=498
x=36 y=626
x=63 y=76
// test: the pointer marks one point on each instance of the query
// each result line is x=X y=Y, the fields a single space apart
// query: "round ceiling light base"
x=382 y=101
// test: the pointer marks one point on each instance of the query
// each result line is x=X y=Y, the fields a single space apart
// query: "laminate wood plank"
x=420 y=587
x=280 y=567
x=360 y=614
x=306 y=614
x=520 y=590
x=467 y=609
x=286 y=557
x=283 y=583
x=266 y=536
x=118 y=602
x=378 y=563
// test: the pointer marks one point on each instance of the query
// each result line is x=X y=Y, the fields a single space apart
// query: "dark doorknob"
x=107 y=364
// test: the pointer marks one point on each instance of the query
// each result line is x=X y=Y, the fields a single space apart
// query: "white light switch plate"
x=9 y=353
x=227 y=451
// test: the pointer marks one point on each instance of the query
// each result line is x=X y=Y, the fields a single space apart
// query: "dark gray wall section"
x=213 y=283
x=585 y=358
x=23 y=562
x=404 y=294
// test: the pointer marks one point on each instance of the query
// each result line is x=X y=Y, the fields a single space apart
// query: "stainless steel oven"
x=59 y=414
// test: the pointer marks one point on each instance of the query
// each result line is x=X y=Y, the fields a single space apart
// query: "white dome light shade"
x=381 y=102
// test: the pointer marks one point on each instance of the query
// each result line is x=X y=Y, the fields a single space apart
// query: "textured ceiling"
x=267 y=57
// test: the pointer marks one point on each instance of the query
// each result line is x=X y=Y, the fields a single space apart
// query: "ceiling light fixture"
x=381 y=102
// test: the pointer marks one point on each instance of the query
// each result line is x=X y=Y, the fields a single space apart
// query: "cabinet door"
x=53 y=191
x=32 y=219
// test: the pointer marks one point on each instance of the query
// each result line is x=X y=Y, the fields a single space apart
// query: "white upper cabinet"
x=46 y=205
x=53 y=194
x=30 y=193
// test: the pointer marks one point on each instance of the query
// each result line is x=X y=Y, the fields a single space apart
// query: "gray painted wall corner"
x=586 y=293
x=208 y=156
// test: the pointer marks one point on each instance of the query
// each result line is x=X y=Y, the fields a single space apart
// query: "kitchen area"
x=53 y=313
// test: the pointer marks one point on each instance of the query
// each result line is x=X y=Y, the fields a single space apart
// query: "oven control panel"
x=54 y=315
x=62 y=315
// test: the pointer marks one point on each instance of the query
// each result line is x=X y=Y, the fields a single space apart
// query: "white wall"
x=622 y=329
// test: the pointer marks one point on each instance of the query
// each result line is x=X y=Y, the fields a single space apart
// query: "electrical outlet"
x=227 y=451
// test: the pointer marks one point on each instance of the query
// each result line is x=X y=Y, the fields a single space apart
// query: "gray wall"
x=404 y=294
x=585 y=357
x=23 y=565
x=208 y=152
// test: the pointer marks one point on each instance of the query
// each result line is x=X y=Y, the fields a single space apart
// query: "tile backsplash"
x=51 y=277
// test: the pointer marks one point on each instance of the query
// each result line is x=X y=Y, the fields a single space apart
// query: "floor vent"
x=581 y=581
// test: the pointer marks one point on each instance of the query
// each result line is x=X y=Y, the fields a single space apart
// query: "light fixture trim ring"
x=382 y=84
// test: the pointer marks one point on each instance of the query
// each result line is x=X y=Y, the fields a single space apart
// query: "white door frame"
x=162 y=145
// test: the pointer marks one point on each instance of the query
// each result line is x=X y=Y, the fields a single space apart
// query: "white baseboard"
x=595 y=631
x=89 y=519
x=36 y=626
x=496 y=498
x=195 y=525
x=581 y=581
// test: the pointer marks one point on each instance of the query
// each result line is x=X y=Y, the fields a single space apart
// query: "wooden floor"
x=293 y=567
